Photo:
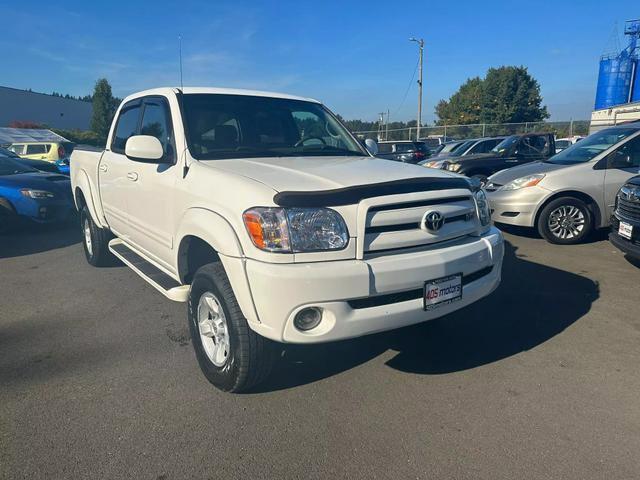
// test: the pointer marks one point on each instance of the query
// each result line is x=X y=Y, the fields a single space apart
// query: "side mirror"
x=144 y=148
x=371 y=146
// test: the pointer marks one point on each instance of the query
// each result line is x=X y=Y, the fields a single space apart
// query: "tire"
x=95 y=241
x=553 y=228
x=231 y=356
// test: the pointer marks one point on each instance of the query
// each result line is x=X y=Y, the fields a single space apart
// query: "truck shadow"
x=533 y=304
x=30 y=239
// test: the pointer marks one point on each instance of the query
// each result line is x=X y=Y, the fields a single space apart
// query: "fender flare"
x=210 y=227
x=83 y=184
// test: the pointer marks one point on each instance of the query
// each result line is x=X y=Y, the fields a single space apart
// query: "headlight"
x=36 y=193
x=433 y=164
x=290 y=230
x=522 y=182
x=482 y=204
x=452 y=167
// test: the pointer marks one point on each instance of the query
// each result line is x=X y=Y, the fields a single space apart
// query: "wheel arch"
x=591 y=203
x=205 y=237
x=83 y=196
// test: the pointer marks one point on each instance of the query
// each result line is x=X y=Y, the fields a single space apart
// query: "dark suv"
x=403 y=151
x=625 y=223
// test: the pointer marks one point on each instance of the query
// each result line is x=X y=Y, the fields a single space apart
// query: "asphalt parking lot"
x=540 y=380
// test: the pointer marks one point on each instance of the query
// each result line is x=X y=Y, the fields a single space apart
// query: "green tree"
x=511 y=95
x=463 y=108
x=505 y=95
x=104 y=107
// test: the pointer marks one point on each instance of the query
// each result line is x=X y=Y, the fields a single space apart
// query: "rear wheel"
x=565 y=221
x=95 y=241
x=231 y=356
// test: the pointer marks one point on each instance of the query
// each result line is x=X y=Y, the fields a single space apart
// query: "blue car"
x=59 y=166
x=26 y=193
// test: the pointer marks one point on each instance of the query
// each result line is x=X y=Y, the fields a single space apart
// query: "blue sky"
x=354 y=56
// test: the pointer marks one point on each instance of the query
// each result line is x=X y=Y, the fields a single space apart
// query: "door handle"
x=103 y=167
x=133 y=176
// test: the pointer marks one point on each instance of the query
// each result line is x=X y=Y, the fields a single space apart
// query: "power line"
x=408 y=88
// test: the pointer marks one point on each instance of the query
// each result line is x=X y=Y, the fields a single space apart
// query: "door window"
x=156 y=122
x=627 y=156
x=36 y=149
x=18 y=149
x=126 y=127
x=534 y=146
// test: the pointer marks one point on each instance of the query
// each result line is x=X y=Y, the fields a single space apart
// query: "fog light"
x=307 y=318
x=42 y=211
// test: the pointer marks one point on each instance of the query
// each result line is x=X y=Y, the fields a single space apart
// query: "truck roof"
x=216 y=91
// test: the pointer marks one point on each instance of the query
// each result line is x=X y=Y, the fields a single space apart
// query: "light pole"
x=421 y=45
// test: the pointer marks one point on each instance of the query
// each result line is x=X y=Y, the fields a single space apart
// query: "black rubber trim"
x=398 y=297
x=420 y=203
x=354 y=195
x=148 y=269
x=626 y=246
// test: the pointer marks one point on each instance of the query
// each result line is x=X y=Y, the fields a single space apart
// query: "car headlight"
x=37 y=194
x=452 y=167
x=433 y=164
x=523 y=182
x=482 y=205
x=291 y=230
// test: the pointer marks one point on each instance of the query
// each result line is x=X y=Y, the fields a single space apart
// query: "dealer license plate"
x=625 y=230
x=442 y=291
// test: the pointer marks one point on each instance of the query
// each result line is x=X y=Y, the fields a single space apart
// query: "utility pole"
x=381 y=126
x=386 y=133
x=421 y=45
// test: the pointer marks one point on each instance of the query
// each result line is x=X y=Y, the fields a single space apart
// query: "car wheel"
x=95 y=241
x=231 y=356
x=565 y=221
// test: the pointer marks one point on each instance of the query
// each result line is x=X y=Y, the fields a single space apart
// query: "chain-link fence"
x=455 y=132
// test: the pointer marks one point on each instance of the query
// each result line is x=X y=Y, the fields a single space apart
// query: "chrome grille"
x=400 y=225
x=628 y=209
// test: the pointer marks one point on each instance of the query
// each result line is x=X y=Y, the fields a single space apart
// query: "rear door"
x=622 y=164
x=152 y=186
x=113 y=169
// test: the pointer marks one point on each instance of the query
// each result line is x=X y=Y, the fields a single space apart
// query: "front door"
x=622 y=164
x=113 y=169
x=150 y=201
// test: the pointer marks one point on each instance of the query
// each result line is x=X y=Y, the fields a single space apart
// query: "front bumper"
x=44 y=210
x=629 y=247
x=517 y=207
x=347 y=290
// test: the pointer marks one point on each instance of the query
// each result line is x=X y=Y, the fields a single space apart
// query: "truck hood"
x=505 y=176
x=322 y=173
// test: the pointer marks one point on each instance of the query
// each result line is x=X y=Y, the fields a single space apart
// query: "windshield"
x=239 y=126
x=9 y=166
x=505 y=145
x=592 y=146
x=462 y=148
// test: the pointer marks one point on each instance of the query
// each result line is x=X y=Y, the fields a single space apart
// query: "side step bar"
x=158 y=279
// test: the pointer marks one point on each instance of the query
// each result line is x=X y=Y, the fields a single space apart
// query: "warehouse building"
x=54 y=112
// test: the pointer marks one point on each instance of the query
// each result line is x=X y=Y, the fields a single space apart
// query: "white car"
x=275 y=224
x=564 y=143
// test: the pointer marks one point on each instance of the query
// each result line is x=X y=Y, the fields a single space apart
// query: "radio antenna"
x=180 y=48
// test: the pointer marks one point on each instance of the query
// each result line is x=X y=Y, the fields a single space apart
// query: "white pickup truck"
x=274 y=224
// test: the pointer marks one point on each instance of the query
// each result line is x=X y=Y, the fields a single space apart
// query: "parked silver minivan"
x=569 y=195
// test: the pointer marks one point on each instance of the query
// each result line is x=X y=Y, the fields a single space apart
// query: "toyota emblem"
x=433 y=221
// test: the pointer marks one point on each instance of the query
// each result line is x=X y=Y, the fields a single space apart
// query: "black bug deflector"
x=355 y=194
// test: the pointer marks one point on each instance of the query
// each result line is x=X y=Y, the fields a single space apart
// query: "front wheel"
x=565 y=221
x=231 y=356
